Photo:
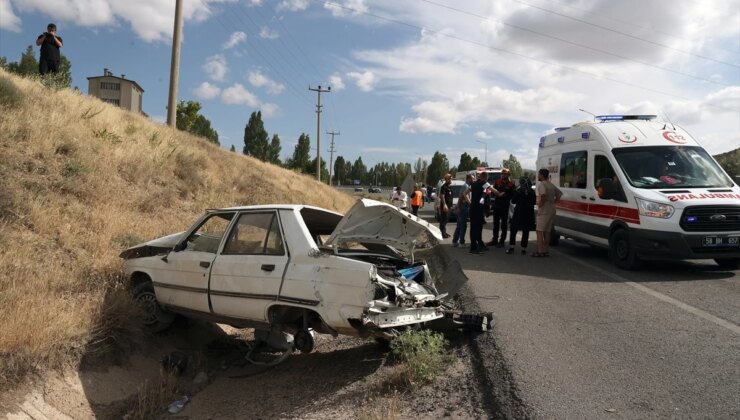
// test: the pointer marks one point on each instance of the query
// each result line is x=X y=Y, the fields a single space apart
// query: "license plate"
x=715 y=241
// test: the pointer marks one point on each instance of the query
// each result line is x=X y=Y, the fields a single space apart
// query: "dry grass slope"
x=81 y=180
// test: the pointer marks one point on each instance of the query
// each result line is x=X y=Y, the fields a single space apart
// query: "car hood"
x=153 y=247
x=370 y=221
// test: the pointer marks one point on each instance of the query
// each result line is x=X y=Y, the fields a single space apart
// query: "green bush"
x=423 y=353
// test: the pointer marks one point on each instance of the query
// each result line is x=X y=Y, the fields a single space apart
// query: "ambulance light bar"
x=604 y=118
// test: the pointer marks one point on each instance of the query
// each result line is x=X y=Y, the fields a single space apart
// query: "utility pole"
x=485 y=144
x=175 y=66
x=318 y=127
x=331 y=153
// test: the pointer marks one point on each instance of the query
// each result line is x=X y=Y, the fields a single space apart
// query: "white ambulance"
x=644 y=189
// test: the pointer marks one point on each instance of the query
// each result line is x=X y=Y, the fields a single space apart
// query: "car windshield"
x=670 y=167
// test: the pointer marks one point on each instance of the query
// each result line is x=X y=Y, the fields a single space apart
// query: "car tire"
x=728 y=263
x=621 y=251
x=154 y=316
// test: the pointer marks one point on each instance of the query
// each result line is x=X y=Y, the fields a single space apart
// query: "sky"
x=411 y=77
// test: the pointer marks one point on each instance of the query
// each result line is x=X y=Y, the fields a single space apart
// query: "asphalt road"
x=585 y=340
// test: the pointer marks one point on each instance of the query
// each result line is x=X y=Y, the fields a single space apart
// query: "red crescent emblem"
x=674 y=137
x=627 y=138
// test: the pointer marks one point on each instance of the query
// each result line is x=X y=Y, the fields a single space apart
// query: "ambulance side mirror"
x=606 y=189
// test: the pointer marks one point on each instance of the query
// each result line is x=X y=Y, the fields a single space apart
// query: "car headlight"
x=652 y=209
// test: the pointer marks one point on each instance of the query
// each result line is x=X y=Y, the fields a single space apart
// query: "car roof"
x=271 y=207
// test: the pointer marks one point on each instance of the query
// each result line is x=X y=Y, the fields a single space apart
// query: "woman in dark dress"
x=523 y=219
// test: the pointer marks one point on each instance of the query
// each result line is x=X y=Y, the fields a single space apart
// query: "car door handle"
x=583 y=197
x=205 y=264
x=592 y=199
x=268 y=267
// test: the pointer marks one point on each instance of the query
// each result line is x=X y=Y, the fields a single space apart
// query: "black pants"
x=500 y=221
x=525 y=237
x=476 y=229
x=443 y=219
x=415 y=210
x=48 y=66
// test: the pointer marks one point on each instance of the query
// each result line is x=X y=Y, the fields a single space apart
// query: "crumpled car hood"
x=153 y=247
x=370 y=221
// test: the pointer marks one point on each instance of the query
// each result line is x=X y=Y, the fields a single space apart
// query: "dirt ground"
x=343 y=377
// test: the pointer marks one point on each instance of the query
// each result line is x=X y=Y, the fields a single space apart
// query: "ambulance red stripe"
x=601 y=210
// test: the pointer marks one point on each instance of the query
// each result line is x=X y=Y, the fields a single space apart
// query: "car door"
x=184 y=283
x=247 y=274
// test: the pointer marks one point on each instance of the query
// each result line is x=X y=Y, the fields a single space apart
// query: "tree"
x=29 y=66
x=301 y=154
x=273 y=155
x=438 y=168
x=256 y=142
x=466 y=163
x=233 y=149
x=512 y=163
x=730 y=162
x=358 y=170
x=339 y=173
x=311 y=169
x=189 y=119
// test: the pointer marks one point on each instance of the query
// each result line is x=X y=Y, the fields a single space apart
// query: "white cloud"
x=269 y=110
x=351 y=7
x=257 y=79
x=489 y=104
x=207 y=91
x=237 y=94
x=336 y=82
x=255 y=2
x=216 y=67
x=8 y=19
x=482 y=135
x=267 y=33
x=151 y=20
x=293 y=5
x=365 y=80
x=235 y=39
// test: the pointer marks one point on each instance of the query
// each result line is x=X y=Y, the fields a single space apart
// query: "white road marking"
x=686 y=307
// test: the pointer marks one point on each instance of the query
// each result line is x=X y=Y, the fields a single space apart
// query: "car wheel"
x=728 y=263
x=621 y=251
x=154 y=317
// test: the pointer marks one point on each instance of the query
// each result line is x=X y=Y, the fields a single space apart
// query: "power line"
x=550 y=63
x=318 y=91
x=521 y=28
x=585 y=22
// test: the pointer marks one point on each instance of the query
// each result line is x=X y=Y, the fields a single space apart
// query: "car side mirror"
x=606 y=189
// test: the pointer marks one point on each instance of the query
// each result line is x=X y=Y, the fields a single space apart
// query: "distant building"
x=115 y=90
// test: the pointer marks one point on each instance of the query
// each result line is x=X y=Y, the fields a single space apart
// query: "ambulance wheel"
x=621 y=251
x=728 y=263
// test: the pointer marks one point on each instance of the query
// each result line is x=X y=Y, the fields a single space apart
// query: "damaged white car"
x=288 y=270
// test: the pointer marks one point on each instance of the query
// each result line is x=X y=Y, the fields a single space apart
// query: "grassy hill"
x=81 y=180
x=730 y=162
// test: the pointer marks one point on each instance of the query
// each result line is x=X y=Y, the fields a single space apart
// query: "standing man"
x=50 y=44
x=463 y=207
x=477 y=192
x=399 y=198
x=417 y=200
x=505 y=189
x=547 y=195
x=445 y=204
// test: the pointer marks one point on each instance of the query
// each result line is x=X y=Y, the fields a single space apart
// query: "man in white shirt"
x=400 y=198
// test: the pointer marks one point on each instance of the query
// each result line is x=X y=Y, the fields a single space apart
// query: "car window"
x=208 y=236
x=573 y=168
x=255 y=234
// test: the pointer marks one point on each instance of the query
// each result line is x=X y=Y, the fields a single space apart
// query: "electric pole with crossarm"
x=318 y=128
x=331 y=153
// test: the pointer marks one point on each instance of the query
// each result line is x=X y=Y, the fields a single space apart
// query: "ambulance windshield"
x=670 y=167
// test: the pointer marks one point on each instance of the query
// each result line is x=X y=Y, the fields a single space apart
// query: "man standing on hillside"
x=50 y=44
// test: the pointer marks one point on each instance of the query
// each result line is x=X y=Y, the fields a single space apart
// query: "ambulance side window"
x=573 y=168
x=603 y=174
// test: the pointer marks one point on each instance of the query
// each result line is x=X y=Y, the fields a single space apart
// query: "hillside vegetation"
x=730 y=162
x=81 y=180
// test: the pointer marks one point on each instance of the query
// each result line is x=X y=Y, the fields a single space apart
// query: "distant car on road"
x=359 y=189
x=374 y=190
